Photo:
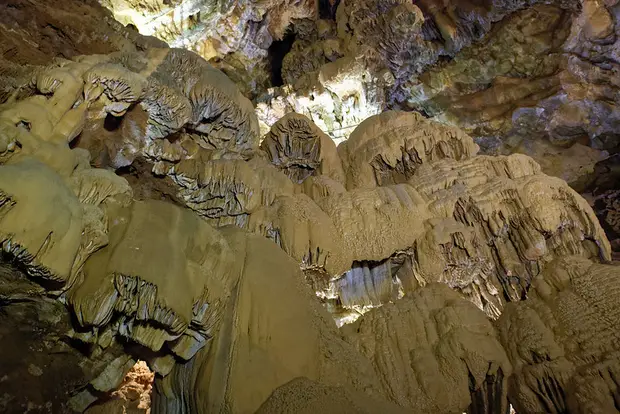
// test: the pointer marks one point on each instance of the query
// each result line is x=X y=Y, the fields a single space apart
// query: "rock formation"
x=527 y=77
x=562 y=340
x=147 y=214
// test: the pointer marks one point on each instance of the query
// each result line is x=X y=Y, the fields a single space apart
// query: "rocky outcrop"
x=70 y=227
x=42 y=366
x=300 y=149
x=429 y=196
x=431 y=341
x=33 y=33
x=274 y=332
x=305 y=396
x=519 y=77
x=235 y=36
x=408 y=237
x=417 y=185
x=133 y=396
x=530 y=87
x=562 y=340
x=511 y=74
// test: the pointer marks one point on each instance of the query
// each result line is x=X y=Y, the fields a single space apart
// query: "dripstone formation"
x=147 y=214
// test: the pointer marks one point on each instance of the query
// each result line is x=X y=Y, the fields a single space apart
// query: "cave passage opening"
x=327 y=9
x=276 y=52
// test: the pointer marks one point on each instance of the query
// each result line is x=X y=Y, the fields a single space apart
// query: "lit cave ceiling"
x=372 y=206
x=525 y=76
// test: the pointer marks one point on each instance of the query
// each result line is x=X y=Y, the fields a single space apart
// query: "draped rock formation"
x=562 y=340
x=284 y=273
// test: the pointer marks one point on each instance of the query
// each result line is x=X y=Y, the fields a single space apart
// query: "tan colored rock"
x=35 y=32
x=274 y=331
x=119 y=85
x=388 y=148
x=163 y=301
x=41 y=221
x=599 y=24
x=234 y=36
x=336 y=97
x=134 y=394
x=305 y=231
x=225 y=317
x=299 y=148
x=227 y=191
x=306 y=397
x=430 y=342
x=562 y=340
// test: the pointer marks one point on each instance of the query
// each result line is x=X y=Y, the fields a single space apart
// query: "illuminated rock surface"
x=150 y=211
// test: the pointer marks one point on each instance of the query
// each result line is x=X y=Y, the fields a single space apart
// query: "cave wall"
x=148 y=211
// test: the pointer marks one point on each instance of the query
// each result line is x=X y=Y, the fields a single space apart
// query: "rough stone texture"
x=41 y=366
x=306 y=397
x=539 y=83
x=32 y=33
x=133 y=395
x=387 y=149
x=403 y=227
x=430 y=342
x=511 y=73
x=520 y=77
x=419 y=57
x=78 y=245
x=235 y=36
x=427 y=202
x=300 y=149
x=562 y=341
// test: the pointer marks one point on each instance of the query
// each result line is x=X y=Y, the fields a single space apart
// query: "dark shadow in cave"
x=327 y=9
x=277 y=51
x=112 y=123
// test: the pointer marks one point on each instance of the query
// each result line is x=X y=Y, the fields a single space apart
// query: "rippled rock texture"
x=538 y=78
x=145 y=215
x=565 y=360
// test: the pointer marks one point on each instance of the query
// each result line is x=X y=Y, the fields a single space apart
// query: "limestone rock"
x=261 y=347
x=167 y=301
x=44 y=240
x=234 y=35
x=299 y=148
x=404 y=226
x=483 y=225
x=430 y=342
x=305 y=397
x=562 y=340
x=387 y=149
x=40 y=369
x=132 y=397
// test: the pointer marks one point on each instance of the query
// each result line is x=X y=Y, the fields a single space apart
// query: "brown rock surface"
x=307 y=397
x=430 y=342
x=403 y=227
x=34 y=32
x=562 y=341
x=41 y=366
